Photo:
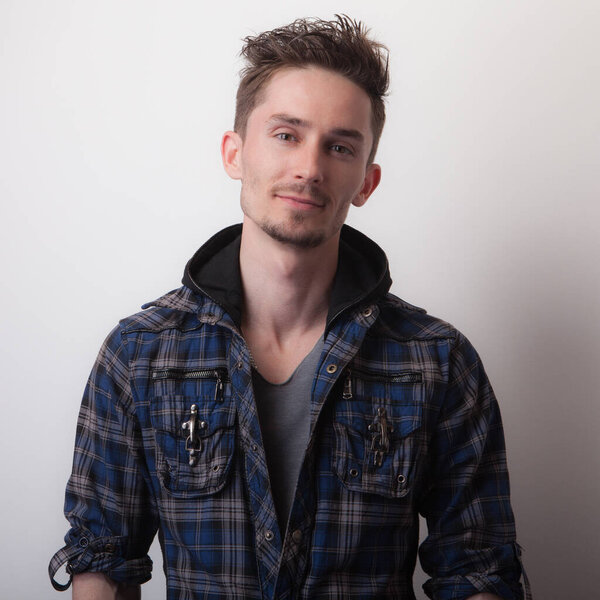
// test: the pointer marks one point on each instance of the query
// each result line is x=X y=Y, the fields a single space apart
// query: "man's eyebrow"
x=289 y=120
x=296 y=122
x=349 y=133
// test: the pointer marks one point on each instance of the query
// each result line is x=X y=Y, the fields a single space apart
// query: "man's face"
x=303 y=159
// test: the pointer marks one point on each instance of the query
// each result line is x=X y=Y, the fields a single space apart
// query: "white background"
x=111 y=115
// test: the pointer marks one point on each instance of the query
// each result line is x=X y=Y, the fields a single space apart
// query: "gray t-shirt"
x=284 y=416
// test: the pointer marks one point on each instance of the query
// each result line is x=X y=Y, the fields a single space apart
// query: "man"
x=281 y=419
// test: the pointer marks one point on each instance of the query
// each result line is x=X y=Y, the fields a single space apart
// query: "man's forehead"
x=304 y=96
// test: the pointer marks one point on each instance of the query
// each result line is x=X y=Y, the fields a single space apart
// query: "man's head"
x=306 y=130
x=341 y=46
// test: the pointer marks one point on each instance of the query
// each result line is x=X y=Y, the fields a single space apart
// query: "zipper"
x=219 y=373
x=173 y=373
x=400 y=377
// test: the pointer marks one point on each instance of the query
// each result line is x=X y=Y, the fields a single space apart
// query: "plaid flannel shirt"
x=403 y=421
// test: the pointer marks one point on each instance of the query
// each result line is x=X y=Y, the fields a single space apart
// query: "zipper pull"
x=347 y=394
x=219 y=388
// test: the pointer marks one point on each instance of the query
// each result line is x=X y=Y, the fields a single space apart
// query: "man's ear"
x=371 y=181
x=231 y=154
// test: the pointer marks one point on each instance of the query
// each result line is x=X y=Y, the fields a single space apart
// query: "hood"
x=362 y=274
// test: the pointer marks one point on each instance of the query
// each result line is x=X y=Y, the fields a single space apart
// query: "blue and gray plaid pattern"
x=403 y=421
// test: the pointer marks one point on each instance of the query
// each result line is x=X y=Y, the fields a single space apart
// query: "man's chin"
x=298 y=238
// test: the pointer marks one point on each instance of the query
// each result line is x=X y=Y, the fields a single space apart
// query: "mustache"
x=308 y=191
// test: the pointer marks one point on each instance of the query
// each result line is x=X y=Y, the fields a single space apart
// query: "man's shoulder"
x=405 y=321
x=177 y=309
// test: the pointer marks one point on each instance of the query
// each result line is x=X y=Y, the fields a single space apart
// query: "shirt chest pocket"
x=377 y=425
x=195 y=443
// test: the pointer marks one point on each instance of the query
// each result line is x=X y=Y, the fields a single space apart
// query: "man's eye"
x=286 y=137
x=338 y=148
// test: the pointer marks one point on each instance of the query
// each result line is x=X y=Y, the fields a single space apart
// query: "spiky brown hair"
x=341 y=45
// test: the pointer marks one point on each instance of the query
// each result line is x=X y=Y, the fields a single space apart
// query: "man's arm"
x=97 y=586
x=108 y=503
x=471 y=550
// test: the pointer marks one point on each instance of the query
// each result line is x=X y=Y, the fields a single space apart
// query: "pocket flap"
x=205 y=470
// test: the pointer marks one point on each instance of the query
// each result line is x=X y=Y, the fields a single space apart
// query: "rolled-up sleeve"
x=471 y=544
x=108 y=502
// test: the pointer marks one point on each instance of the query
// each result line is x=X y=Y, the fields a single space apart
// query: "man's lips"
x=301 y=196
x=307 y=202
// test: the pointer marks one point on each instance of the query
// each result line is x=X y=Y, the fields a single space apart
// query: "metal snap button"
x=354 y=472
x=84 y=542
x=254 y=447
x=367 y=312
x=401 y=479
x=110 y=548
x=332 y=368
x=216 y=468
x=239 y=364
x=269 y=535
x=297 y=536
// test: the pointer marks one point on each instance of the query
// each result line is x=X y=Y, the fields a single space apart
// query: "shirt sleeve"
x=471 y=544
x=108 y=501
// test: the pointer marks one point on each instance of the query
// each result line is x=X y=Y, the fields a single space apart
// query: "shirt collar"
x=362 y=274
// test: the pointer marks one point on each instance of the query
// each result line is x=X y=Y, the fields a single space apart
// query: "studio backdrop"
x=111 y=115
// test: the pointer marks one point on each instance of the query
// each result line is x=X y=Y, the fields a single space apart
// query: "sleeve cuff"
x=463 y=587
x=105 y=555
x=502 y=579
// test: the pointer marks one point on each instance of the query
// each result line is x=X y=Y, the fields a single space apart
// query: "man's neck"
x=286 y=298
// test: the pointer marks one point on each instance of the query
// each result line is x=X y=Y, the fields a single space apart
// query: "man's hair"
x=340 y=45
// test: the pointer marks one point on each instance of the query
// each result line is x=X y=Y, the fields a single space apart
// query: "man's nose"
x=309 y=163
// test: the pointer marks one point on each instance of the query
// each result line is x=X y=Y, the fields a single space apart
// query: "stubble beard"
x=292 y=231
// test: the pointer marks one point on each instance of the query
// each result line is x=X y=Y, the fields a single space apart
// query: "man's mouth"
x=302 y=197
x=301 y=201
